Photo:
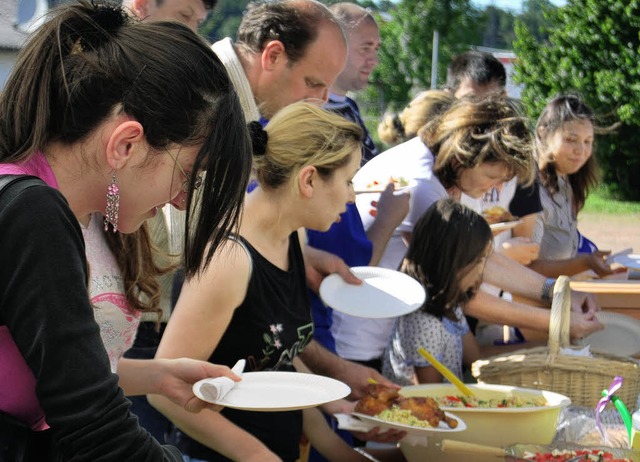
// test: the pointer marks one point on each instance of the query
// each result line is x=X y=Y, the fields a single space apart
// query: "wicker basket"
x=580 y=378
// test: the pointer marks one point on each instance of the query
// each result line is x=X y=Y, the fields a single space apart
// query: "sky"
x=515 y=5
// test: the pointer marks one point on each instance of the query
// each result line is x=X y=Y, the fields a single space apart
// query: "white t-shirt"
x=117 y=323
x=496 y=197
x=413 y=161
x=365 y=339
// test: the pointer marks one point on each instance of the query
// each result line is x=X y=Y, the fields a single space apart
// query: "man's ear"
x=126 y=139
x=273 y=55
x=307 y=181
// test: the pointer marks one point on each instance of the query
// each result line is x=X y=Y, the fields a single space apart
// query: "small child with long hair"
x=447 y=254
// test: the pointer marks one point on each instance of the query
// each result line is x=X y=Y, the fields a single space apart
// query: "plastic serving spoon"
x=514 y=452
x=444 y=370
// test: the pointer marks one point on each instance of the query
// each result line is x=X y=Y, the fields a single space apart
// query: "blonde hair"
x=397 y=128
x=478 y=130
x=304 y=134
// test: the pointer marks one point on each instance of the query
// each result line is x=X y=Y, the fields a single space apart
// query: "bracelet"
x=547 y=287
x=368 y=456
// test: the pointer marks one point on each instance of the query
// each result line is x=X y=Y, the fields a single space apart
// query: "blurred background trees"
x=593 y=48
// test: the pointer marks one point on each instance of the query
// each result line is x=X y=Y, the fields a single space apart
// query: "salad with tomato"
x=504 y=402
x=563 y=455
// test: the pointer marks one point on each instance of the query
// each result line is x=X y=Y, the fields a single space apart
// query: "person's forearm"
x=509 y=275
x=139 y=376
x=557 y=268
x=215 y=431
x=496 y=310
x=321 y=361
x=379 y=234
x=525 y=229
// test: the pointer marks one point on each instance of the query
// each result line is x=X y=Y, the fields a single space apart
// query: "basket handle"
x=560 y=319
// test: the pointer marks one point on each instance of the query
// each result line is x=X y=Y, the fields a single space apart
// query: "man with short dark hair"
x=363 y=37
x=286 y=51
x=475 y=72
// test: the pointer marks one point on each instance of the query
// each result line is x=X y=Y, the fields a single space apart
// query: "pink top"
x=17 y=382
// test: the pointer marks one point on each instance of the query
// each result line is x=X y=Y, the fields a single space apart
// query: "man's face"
x=309 y=78
x=469 y=87
x=191 y=13
x=364 y=42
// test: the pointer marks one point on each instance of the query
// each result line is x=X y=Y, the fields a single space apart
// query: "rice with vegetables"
x=402 y=416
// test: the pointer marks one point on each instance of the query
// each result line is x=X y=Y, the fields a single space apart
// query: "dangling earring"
x=113 y=205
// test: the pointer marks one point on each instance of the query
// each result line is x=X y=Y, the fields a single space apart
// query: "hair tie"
x=398 y=125
x=259 y=138
x=107 y=18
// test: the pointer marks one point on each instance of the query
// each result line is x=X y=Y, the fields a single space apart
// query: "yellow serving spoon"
x=444 y=370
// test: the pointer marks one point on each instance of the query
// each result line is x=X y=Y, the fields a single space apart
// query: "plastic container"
x=492 y=427
x=635 y=431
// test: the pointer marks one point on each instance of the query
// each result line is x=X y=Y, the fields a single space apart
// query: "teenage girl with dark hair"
x=568 y=170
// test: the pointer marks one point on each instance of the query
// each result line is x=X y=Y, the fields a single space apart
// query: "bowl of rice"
x=498 y=415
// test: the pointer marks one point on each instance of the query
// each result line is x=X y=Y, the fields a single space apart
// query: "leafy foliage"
x=224 y=20
x=407 y=31
x=593 y=48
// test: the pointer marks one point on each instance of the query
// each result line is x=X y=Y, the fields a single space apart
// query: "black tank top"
x=271 y=326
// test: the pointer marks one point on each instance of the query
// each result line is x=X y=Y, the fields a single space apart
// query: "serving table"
x=619 y=295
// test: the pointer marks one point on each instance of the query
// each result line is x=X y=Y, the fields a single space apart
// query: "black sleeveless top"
x=271 y=326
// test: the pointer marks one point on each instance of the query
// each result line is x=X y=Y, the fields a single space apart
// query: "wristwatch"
x=365 y=454
x=547 y=289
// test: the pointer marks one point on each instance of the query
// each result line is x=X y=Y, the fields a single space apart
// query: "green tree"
x=407 y=31
x=498 y=29
x=224 y=20
x=534 y=18
x=593 y=48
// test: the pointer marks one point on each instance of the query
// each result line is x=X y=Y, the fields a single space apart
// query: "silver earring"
x=113 y=205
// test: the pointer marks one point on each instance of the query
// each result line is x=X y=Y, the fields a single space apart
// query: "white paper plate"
x=384 y=424
x=384 y=293
x=380 y=186
x=505 y=225
x=621 y=335
x=282 y=391
x=631 y=260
